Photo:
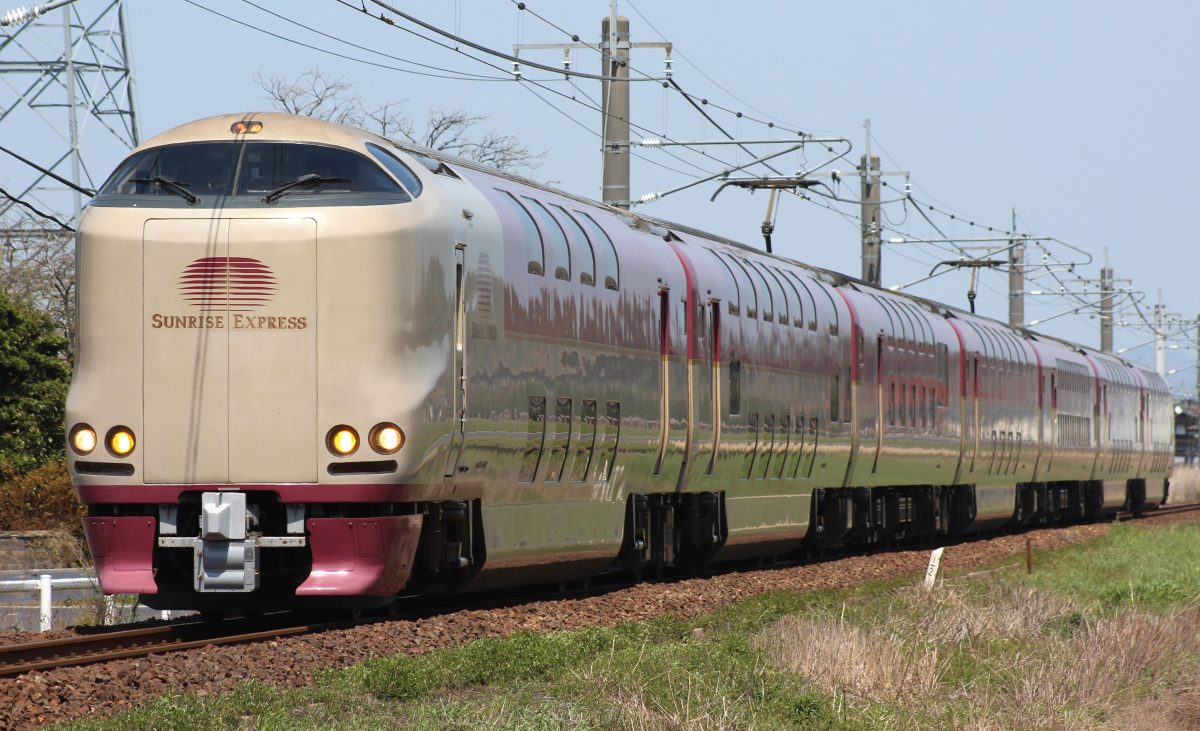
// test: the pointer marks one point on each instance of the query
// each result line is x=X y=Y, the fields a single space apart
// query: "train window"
x=407 y=177
x=587 y=262
x=609 y=266
x=900 y=407
x=203 y=168
x=730 y=282
x=585 y=443
x=796 y=305
x=533 y=238
x=560 y=253
x=749 y=294
x=534 y=438
x=607 y=456
x=912 y=405
x=943 y=371
x=809 y=305
x=735 y=387
x=267 y=166
x=766 y=304
x=783 y=450
x=766 y=297
x=751 y=434
x=835 y=388
x=561 y=442
x=781 y=300
x=891 y=407
x=768 y=445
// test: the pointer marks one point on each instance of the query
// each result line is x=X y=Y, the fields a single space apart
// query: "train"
x=320 y=368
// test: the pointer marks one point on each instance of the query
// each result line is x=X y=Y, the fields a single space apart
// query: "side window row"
x=579 y=430
x=768 y=293
x=597 y=255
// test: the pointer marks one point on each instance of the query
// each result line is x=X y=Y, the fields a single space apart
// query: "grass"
x=1103 y=634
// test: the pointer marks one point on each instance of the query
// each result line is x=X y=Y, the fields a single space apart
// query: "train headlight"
x=342 y=440
x=120 y=441
x=83 y=439
x=386 y=438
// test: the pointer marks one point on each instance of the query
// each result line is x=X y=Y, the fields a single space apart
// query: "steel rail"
x=105 y=646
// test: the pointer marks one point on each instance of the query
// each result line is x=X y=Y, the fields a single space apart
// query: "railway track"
x=104 y=646
x=101 y=647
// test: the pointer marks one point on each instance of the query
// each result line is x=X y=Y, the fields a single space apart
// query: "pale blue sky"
x=1078 y=113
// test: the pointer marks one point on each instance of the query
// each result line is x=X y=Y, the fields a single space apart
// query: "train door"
x=458 y=366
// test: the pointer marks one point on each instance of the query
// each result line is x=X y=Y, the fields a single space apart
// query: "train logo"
x=227 y=283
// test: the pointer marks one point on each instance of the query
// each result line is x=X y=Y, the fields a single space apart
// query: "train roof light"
x=251 y=127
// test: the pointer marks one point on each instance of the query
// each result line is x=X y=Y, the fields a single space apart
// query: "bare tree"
x=37 y=268
x=453 y=131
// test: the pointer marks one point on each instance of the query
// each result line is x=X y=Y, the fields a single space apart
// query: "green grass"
x=1003 y=650
x=1153 y=570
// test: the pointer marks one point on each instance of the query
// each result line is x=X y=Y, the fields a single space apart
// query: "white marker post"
x=45 y=618
x=935 y=563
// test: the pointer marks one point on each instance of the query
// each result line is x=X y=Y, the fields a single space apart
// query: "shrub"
x=40 y=499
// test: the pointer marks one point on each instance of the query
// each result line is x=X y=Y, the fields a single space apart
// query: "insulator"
x=651 y=142
x=667 y=71
x=646 y=198
x=16 y=16
x=516 y=69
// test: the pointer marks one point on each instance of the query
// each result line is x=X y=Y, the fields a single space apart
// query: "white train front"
x=316 y=367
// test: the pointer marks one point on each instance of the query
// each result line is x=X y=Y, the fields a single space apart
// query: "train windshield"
x=209 y=169
x=203 y=168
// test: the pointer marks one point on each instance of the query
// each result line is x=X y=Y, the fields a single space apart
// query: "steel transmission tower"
x=65 y=79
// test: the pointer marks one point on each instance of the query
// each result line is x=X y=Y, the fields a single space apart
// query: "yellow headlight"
x=342 y=440
x=386 y=438
x=120 y=441
x=83 y=439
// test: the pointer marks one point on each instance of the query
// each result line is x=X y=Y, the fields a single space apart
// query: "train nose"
x=229 y=350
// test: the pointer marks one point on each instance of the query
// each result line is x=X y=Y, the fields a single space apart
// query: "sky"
x=1077 y=113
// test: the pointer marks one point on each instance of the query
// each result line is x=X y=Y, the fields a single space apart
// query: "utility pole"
x=614 y=108
x=1160 y=337
x=869 y=184
x=1106 y=309
x=1016 y=277
x=1198 y=359
x=614 y=49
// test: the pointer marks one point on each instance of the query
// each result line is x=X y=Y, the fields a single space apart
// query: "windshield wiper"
x=306 y=179
x=175 y=186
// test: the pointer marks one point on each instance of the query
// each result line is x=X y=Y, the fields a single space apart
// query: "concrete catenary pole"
x=614 y=108
x=1106 y=309
x=1016 y=276
x=869 y=180
x=1160 y=338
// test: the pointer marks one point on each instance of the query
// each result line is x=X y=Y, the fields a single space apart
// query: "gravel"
x=104 y=689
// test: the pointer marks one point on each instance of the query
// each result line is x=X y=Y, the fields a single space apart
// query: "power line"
x=31 y=207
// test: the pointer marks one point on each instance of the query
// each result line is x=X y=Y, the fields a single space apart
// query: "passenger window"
x=268 y=165
x=606 y=456
x=587 y=263
x=765 y=296
x=585 y=444
x=749 y=296
x=608 y=264
x=561 y=442
x=533 y=238
x=560 y=253
x=407 y=177
x=785 y=298
x=731 y=284
x=735 y=387
x=534 y=437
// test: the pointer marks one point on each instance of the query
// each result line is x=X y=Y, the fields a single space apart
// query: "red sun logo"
x=234 y=283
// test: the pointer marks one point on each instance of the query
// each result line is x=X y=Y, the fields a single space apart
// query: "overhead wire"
x=35 y=210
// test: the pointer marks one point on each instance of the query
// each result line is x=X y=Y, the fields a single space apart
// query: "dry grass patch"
x=839 y=658
x=1185 y=485
x=996 y=656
